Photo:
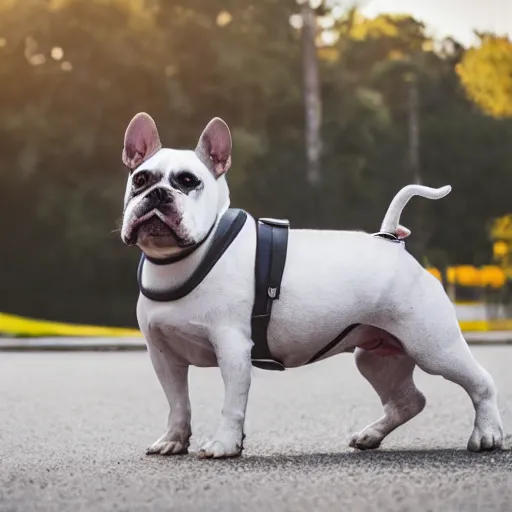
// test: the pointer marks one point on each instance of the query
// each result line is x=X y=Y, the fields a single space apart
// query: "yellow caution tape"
x=13 y=325
x=475 y=325
x=486 y=325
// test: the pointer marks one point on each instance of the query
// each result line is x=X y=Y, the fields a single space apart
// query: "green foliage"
x=486 y=73
x=74 y=72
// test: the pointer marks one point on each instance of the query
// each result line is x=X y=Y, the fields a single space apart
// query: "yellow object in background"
x=466 y=275
x=486 y=276
x=500 y=249
x=501 y=228
x=13 y=325
x=435 y=272
x=492 y=276
x=451 y=275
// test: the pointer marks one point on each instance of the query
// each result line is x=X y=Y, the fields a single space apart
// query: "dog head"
x=173 y=197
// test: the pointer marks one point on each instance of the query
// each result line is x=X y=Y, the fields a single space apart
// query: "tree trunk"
x=312 y=102
x=422 y=230
x=414 y=131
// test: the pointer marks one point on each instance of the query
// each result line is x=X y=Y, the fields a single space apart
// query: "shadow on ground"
x=384 y=459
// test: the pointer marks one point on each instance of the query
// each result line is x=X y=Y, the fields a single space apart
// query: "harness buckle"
x=279 y=223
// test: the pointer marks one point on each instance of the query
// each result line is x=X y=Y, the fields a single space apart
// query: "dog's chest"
x=174 y=331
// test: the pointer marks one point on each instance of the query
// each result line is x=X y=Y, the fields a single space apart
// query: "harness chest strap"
x=271 y=249
x=230 y=224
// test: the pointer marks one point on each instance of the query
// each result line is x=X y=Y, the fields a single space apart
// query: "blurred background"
x=333 y=108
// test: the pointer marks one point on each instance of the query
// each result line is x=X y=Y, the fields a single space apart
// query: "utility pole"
x=414 y=128
x=423 y=230
x=312 y=101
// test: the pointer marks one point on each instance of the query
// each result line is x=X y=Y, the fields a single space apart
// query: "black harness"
x=227 y=230
x=271 y=250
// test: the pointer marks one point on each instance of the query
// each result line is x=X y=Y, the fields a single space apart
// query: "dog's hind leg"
x=392 y=378
x=434 y=340
x=456 y=363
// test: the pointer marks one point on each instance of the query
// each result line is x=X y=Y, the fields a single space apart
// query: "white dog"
x=332 y=279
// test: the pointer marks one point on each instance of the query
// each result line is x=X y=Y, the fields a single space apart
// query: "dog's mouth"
x=156 y=227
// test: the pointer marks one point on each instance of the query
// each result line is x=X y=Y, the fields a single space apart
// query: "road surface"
x=74 y=427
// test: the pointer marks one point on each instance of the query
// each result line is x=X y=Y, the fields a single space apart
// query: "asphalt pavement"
x=74 y=427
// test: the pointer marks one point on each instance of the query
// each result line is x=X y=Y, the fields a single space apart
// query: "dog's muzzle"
x=159 y=199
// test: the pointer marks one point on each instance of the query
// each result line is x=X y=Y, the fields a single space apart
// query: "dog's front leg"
x=174 y=380
x=233 y=351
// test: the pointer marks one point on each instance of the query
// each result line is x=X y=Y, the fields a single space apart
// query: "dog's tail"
x=392 y=217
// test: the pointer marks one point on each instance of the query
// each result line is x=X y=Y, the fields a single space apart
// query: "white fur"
x=332 y=279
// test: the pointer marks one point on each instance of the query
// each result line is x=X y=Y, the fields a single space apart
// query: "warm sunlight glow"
x=338 y=11
x=224 y=18
x=325 y=22
x=314 y=4
x=328 y=37
x=3 y=42
x=33 y=58
x=57 y=53
x=37 y=59
x=296 y=21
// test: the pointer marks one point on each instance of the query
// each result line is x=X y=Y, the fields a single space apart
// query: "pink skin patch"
x=402 y=232
x=382 y=346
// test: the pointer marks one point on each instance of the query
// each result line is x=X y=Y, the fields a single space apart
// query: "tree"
x=486 y=74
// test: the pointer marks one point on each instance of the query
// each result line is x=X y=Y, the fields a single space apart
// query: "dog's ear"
x=141 y=140
x=214 y=147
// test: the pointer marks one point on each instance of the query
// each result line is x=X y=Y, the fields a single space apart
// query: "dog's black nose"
x=160 y=196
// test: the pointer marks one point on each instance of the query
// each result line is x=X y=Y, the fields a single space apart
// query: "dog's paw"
x=366 y=440
x=167 y=448
x=171 y=443
x=486 y=439
x=222 y=446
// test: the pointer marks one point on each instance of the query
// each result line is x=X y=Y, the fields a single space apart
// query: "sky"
x=456 y=18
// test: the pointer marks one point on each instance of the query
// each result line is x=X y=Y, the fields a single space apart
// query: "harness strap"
x=332 y=344
x=229 y=226
x=271 y=248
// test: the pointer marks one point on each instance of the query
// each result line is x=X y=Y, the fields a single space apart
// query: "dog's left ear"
x=141 y=141
x=214 y=147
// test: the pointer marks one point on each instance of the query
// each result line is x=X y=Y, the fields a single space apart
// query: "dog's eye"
x=140 y=179
x=187 y=180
